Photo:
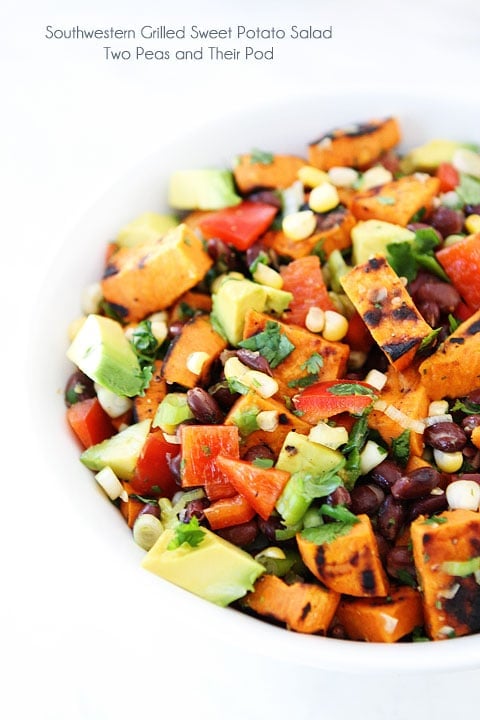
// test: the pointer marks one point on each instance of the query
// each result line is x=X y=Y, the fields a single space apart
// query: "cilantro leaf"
x=453 y=323
x=262 y=257
x=406 y=257
x=466 y=406
x=429 y=340
x=246 y=420
x=328 y=532
x=235 y=386
x=339 y=513
x=435 y=520
x=313 y=364
x=261 y=157
x=402 y=260
x=144 y=342
x=304 y=381
x=401 y=448
x=261 y=462
x=350 y=389
x=318 y=486
x=468 y=189
x=271 y=343
x=406 y=578
x=187 y=533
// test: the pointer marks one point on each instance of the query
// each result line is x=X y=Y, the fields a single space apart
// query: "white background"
x=71 y=124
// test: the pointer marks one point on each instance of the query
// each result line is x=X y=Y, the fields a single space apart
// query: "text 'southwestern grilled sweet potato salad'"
x=278 y=385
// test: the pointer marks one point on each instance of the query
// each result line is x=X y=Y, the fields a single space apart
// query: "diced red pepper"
x=90 y=422
x=319 y=401
x=461 y=262
x=462 y=312
x=228 y=512
x=358 y=335
x=448 y=176
x=201 y=445
x=303 y=278
x=153 y=475
x=261 y=487
x=240 y=225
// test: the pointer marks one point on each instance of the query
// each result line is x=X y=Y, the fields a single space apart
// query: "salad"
x=278 y=385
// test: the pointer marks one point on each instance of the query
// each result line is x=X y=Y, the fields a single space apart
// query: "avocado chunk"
x=214 y=569
x=120 y=452
x=371 y=237
x=430 y=155
x=202 y=190
x=145 y=229
x=298 y=456
x=277 y=300
x=101 y=350
x=231 y=303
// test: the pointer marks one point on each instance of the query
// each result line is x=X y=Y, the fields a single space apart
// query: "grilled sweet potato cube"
x=387 y=309
x=243 y=415
x=397 y=201
x=348 y=564
x=381 y=619
x=145 y=406
x=357 y=146
x=290 y=372
x=146 y=278
x=446 y=551
x=303 y=607
x=454 y=368
x=280 y=172
x=332 y=233
x=406 y=393
x=197 y=335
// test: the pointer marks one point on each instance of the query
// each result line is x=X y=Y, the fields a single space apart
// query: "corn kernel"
x=466 y=161
x=196 y=361
x=267 y=420
x=262 y=383
x=234 y=368
x=311 y=176
x=275 y=553
x=345 y=177
x=371 y=456
x=299 y=225
x=472 y=223
x=438 y=407
x=315 y=319
x=374 y=177
x=452 y=240
x=376 y=379
x=91 y=298
x=448 y=462
x=323 y=198
x=463 y=495
x=159 y=330
x=336 y=326
x=266 y=275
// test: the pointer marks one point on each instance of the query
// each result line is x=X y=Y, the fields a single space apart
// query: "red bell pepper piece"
x=448 y=176
x=90 y=422
x=461 y=262
x=261 y=487
x=229 y=511
x=358 y=335
x=240 y=225
x=153 y=475
x=201 y=445
x=326 y=399
x=303 y=278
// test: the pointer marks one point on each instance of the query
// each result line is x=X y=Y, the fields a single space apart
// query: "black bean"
x=195 y=508
x=383 y=546
x=221 y=254
x=428 y=505
x=447 y=221
x=416 y=484
x=445 y=436
x=259 y=451
x=391 y=518
x=270 y=197
x=386 y=474
x=429 y=311
x=399 y=562
x=474 y=396
x=470 y=422
x=254 y=360
x=221 y=393
x=176 y=327
x=338 y=632
x=444 y=295
x=174 y=464
x=366 y=499
x=79 y=387
x=268 y=527
x=150 y=509
x=340 y=496
x=240 y=535
x=204 y=407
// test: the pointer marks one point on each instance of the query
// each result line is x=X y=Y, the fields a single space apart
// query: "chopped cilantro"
x=263 y=462
x=328 y=532
x=405 y=577
x=429 y=340
x=435 y=520
x=417 y=217
x=235 y=386
x=246 y=420
x=304 y=381
x=401 y=448
x=418 y=635
x=185 y=311
x=453 y=323
x=261 y=157
x=313 y=364
x=318 y=486
x=406 y=257
x=144 y=342
x=187 y=533
x=466 y=406
x=350 y=389
x=351 y=450
x=271 y=343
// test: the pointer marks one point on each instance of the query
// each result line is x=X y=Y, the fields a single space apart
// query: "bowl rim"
x=314 y=651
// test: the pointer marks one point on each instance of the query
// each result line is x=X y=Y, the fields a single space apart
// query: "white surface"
x=71 y=125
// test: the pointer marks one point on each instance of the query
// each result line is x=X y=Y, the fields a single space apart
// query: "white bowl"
x=284 y=126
